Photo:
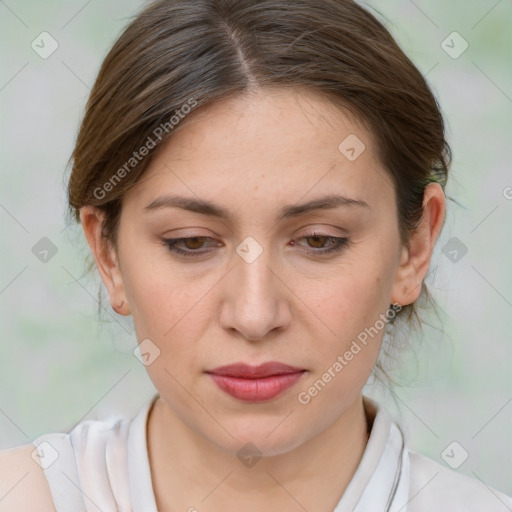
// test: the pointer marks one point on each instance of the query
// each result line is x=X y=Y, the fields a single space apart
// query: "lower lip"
x=256 y=390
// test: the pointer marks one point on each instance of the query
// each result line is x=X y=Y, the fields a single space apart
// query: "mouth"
x=256 y=383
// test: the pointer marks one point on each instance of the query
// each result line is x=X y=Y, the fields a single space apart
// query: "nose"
x=255 y=298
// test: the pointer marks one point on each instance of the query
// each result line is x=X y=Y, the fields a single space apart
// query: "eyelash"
x=340 y=244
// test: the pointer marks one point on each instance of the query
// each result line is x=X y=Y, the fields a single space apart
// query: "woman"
x=261 y=184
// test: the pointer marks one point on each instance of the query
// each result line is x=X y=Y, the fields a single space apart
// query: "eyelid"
x=323 y=232
x=312 y=232
x=339 y=245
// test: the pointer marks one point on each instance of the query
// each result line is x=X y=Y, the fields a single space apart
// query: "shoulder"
x=436 y=487
x=32 y=475
x=23 y=485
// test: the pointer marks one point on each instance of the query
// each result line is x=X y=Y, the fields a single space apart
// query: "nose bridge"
x=252 y=300
x=253 y=279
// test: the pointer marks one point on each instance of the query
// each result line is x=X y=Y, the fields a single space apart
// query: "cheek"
x=157 y=299
x=170 y=303
x=355 y=296
x=163 y=308
x=350 y=306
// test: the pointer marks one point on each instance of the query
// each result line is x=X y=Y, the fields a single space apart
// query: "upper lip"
x=246 y=371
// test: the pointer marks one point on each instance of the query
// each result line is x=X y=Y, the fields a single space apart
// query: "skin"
x=253 y=155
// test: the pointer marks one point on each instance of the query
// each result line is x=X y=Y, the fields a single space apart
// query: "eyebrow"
x=205 y=207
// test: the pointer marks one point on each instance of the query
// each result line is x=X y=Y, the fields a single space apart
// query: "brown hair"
x=178 y=53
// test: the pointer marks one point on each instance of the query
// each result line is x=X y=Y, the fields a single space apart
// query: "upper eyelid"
x=305 y=235
x=314 y=231
x=177 y=240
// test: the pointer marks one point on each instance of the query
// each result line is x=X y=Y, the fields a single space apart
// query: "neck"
x=186 y=467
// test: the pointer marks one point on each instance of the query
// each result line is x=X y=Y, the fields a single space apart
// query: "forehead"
x=270 y=147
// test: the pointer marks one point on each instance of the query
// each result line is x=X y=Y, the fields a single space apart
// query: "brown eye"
x=191 y=244
x=317 y=242
x=195 y=242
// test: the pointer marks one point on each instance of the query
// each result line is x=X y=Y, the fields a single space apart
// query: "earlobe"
x=415 y=259
x=105 y=256
x=405 y=282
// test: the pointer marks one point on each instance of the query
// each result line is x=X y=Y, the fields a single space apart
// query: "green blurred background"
x=59 y=364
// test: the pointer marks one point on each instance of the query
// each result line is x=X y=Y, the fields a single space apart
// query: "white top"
x=104 y=465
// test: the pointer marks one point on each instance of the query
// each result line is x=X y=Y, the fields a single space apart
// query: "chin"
x=263 y=436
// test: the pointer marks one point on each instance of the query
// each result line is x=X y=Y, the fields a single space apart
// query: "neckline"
x=379 y=480
x=142 y=495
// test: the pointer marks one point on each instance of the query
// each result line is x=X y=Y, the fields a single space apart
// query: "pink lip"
x=255 y=383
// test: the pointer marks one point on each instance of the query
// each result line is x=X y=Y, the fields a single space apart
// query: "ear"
x=415 y=259
x=106 y=258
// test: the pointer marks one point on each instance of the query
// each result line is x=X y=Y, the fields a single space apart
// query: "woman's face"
x=256 y=285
